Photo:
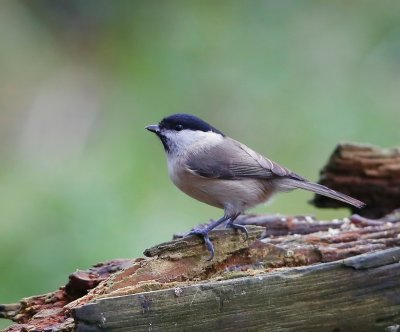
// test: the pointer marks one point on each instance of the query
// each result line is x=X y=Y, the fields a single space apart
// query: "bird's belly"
x=233 y=195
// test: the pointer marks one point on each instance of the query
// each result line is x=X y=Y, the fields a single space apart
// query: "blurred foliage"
x=81 y=181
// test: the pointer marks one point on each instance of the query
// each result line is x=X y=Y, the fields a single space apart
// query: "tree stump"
x=366 y=172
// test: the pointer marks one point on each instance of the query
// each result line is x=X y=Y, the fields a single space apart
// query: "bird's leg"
x=236 y=226
x=203 y=232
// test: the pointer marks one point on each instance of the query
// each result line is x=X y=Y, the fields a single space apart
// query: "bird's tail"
x=325 y=191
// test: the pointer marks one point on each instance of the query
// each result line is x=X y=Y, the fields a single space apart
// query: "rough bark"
x=366 y=172
x=256 y=283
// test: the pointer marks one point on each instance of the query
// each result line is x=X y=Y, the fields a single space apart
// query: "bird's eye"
x=178 y=127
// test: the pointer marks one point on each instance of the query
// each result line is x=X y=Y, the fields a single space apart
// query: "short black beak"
x=153 y=128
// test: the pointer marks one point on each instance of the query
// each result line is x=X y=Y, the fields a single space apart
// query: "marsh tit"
x=215 y=169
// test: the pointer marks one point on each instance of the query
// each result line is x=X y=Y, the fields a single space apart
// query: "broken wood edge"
x=189 y=245
x=158 y=309
x=379 y=258
x=9 y=311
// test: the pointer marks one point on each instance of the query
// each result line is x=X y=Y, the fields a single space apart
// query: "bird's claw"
x=204 y=234
x=241 y=228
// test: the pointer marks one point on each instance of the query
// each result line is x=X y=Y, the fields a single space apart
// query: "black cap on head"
x=183 y=121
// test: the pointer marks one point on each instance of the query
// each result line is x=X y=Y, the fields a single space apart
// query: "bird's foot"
x=241 y=228
x=203 y=233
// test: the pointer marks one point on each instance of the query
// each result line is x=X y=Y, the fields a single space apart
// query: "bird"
x=217 y=170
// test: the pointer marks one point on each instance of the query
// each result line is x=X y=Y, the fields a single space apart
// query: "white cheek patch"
x=180 y=141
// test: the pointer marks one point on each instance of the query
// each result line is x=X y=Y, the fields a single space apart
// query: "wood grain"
x=357 y=294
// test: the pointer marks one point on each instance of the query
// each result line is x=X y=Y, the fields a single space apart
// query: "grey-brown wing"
x=233 y=160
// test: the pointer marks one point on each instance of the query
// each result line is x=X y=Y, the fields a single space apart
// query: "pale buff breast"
x=235 y=196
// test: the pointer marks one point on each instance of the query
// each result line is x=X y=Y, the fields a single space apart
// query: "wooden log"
x=361 y=293
x=366 y=172
x=277 y=283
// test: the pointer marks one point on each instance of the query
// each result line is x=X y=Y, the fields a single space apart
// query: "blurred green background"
x=81 y=181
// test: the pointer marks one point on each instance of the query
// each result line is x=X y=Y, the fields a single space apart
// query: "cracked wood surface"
x=356 y=294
